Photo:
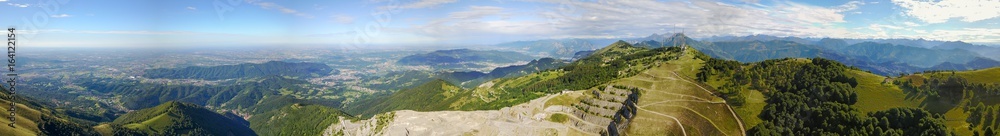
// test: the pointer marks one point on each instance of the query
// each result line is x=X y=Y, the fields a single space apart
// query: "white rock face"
x=520 y=120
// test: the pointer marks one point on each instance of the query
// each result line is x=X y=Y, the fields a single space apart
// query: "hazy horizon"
x=70 y=23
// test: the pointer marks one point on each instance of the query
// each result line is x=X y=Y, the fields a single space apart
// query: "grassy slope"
x=30 y=116
x=166 y=116
x=873 y=95
x=990 y=75
x=667 y=96
x=954 y=113
x=431 y=96
x=26 y=119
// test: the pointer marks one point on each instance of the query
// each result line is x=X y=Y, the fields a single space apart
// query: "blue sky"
x=140 y=23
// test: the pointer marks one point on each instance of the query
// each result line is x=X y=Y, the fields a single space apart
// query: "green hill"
x=944 y=102
x=434 y=95
x=176 y=118
x=33 y=118
x=244 y=93
x=246 y=70
x=967 y=99
x=297 y=120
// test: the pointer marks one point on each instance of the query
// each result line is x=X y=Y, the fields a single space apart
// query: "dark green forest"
x=245 y=70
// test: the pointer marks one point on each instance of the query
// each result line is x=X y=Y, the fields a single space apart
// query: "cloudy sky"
x=115 y=23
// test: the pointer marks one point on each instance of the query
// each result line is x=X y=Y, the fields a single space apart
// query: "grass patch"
x=566 y=99
x=25 y=120
x=558 y=118
x=873 y=95
x=988 y=76
x=751 y=109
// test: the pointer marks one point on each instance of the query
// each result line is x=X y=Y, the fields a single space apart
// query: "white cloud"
x=621 y=19
x=19 y=5
x=476 y=12
x=426 y=4
x=699 y=18
x=191 y=8
x=3 y=0
x=61 y=15
x=471 y=22
x=751 y=1
x=809 y=14
x=941 y=11
x=852 y=5
x=283 y=9
x=342 y=19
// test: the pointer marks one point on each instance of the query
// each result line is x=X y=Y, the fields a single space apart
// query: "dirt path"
x=672 y=117
x=679 y=101
x=738 y=120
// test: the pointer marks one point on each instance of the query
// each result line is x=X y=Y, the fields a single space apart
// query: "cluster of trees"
x=814 y=98
x=717 y=67
x=950 y=88
x=56 y=127
x=298 y=120
x=431 y=96
x=987 y=117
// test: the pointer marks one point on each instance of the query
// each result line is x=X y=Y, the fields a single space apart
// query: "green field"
x=873 y=95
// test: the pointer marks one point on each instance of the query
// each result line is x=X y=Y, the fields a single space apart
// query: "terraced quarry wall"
x=611 y=106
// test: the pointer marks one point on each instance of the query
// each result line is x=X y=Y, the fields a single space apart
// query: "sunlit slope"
x=967 y=99
x=176 y=118
x=296 y=119
x=673 y=103
x=34 y=119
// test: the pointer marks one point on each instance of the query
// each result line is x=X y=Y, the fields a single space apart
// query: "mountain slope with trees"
x=176 y=118
x=245 y=70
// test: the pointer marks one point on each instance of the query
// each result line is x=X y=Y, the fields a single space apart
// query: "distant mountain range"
x=175 y=118
x=561 y=49
x=464 y=59
x=880 y=56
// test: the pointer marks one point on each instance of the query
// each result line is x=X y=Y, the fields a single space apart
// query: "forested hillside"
x=812 y=97
x=434 y=95
x=176 y=118
x=246 y=70
x=246 y=94
x=297 y=119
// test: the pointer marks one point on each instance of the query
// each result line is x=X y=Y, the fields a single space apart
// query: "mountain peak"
x=679 y=35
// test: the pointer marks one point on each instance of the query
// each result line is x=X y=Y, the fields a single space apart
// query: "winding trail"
x=672 y=117
x=738 y=120
x=644 y=105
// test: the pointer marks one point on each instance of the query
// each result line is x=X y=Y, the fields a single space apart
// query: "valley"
x=622 y=88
